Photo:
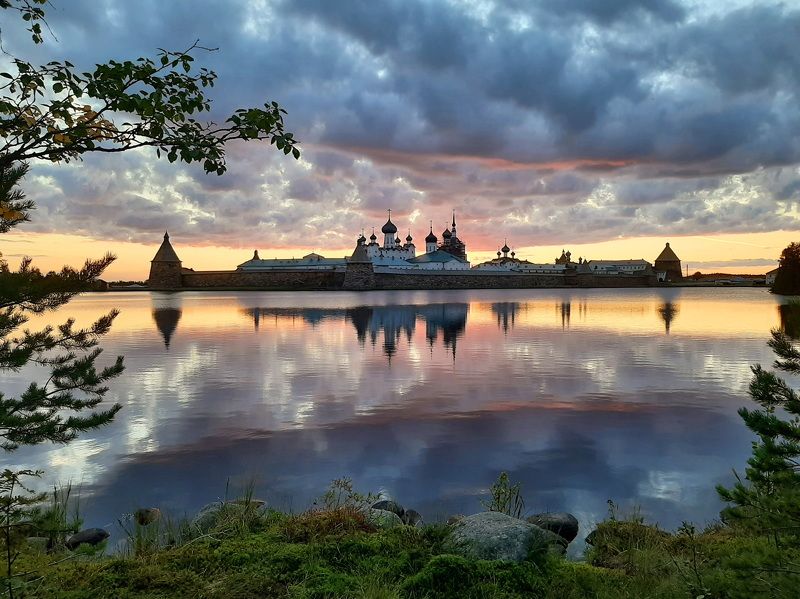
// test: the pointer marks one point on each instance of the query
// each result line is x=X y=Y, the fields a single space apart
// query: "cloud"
x=771 y=262
x=537 y=120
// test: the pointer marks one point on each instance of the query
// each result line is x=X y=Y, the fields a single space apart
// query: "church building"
x=393 y=253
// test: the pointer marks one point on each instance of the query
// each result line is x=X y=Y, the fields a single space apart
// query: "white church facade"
x=393 y=254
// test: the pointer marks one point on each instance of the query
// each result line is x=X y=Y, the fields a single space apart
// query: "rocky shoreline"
x=485 y=535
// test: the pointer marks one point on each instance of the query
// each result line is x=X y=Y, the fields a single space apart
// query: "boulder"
x=563 y=524
x=412 y=518
x=90 y=536
x=497 y=536
x=453 y=520
x=389 y=506
x=383 y=518
x=147 y=515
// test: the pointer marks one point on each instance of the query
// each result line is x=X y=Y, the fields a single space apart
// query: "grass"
x=333 y=550
x=333 y=553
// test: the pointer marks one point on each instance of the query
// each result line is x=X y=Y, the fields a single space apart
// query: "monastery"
x=397 y=265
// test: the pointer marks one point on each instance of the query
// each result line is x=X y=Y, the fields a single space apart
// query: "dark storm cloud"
x=607 y=11
x=599 y=118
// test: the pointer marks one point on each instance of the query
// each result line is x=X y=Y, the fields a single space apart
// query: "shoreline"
x=670 y=286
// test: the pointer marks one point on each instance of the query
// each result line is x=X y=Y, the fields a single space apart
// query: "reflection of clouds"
x=660 y=458
x=609 y=407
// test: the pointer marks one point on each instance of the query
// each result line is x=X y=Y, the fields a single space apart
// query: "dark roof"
x=437 y=256
x=166 y=253
x=505 y=248
x=667 y=255
x=409 y=237
x=431 y=238
x=447 y=233
x=389 y=227
x=360 y=254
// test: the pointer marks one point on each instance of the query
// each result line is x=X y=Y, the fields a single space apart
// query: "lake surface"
x=581 y=395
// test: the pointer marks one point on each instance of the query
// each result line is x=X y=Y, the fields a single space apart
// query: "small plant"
x=341 y=510
x=615 y=513
x=16 y=504
x=770 y=498
x=505 y=497
x=59 y=516
x=691 y=568
x=341 y=494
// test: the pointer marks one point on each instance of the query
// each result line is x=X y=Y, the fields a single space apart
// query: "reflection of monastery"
x=392 y=327
x=392 y=322
x=396 y=265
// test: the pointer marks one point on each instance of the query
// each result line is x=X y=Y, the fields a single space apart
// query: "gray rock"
x=90 y=536
x=562 y=523
x=389 y=506
x=412 y=518
x=496 y=536
x=384 y=519
x=453 y=520
x=147 y=515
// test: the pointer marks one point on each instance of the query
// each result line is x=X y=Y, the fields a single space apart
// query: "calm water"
x=582 y=396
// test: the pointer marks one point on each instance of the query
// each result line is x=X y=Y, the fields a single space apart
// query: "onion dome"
x=505 y=249
x=498 y=253
x=431 y=238
x=397 y=240
x=447 y=234
x=373 y=237
x=408 y=238
x=388 y=227
x=513 y=254
x=361 y=238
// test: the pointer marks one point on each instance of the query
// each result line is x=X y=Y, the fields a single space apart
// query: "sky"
x=607 y=127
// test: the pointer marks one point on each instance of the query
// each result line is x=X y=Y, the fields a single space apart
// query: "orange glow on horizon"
x=51 y=251
x=708 y=316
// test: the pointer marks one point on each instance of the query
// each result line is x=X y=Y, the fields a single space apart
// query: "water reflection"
x=566 y=311
x=580 y=394
x=166 y=320
x=391 y=323
x=506 y=314
x=668 y=312
x=790 y=319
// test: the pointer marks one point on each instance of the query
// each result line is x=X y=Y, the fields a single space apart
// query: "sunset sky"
x=607 y=127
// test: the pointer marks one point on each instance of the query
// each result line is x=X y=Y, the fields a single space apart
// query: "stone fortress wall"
x=358 y=273
x=282 y=280
x=362 y=277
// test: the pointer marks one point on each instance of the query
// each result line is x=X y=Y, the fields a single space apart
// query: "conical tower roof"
x=667 y=255
x=166 y=253
x=360 y=253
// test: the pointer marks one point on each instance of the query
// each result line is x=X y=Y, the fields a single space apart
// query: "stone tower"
x=359 y=273
x=669 y=263
x=165 y=267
